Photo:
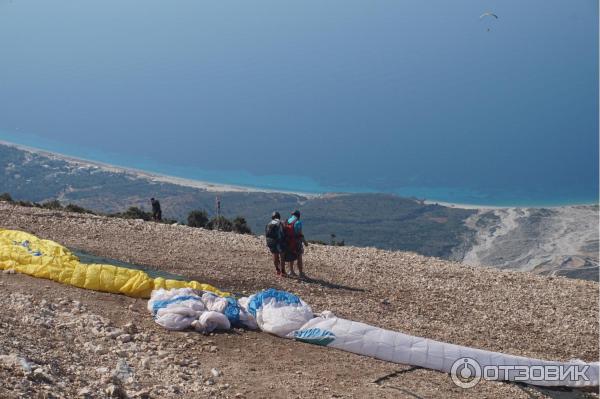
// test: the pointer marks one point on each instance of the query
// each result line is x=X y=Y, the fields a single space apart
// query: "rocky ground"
x=60 y=341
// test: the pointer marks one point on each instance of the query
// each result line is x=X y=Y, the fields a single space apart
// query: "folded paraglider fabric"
x=210 y=321
x=27 y=254
x=286 y=315
x=278 y=312
x=179 y=309
x=397 y=347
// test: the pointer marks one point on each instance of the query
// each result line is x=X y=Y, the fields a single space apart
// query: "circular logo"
x=465 y=372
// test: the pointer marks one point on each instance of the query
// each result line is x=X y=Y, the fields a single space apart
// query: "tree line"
x=196 y=218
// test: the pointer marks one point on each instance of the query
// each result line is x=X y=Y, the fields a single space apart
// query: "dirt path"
x=517 y=313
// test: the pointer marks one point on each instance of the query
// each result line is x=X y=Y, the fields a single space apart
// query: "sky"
x=415 y=97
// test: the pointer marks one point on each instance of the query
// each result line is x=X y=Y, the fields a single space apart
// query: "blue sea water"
x=417 y=98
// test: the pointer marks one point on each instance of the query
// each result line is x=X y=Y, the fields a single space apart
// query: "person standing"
x=156 y=211
x=275 y=242
x=295 y=242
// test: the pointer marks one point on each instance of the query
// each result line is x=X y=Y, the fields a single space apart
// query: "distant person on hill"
x=295 y=243
x=275 y=242
x=156 y=211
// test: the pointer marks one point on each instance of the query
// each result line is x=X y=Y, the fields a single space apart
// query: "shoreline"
x=471 y=206
x=500 y=207
x=152 y=176
x=222 y=187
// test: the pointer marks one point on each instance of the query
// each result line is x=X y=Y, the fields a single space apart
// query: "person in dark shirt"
x=275 y=242
x=156 y=211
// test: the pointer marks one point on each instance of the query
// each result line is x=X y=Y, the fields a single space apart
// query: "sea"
x=420 y=99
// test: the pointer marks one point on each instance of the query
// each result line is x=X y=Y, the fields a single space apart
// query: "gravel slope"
x=512 y=312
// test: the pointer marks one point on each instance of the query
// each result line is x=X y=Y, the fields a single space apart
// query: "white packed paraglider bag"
x=175 y=321
x=214 y=303
x=246 y=319
x=175 y=309
x=179 y=309
x=162 y=298
x=277 y=312
x=397 y=347
x=211 y=321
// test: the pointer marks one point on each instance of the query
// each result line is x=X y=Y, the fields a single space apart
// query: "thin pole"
x=218 y=203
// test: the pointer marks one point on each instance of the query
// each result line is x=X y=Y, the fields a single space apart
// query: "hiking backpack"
x=291 y=241
x=273 y=231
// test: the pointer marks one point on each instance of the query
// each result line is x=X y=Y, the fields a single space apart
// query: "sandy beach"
x=465 y=206
x=492 y=207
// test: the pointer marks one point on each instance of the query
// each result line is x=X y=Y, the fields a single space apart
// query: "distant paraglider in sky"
x=485 y=15
x=488 y=14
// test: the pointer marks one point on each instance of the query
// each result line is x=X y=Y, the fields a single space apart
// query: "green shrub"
x=76 y=209
x=54 y=204
x=6 y=197
x=241 y=226
x=135 y=213
x=197 y=218
x=168 y=221
x=220 y=223
x=28 y=204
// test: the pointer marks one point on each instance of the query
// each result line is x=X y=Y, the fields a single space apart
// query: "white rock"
x=115 y=391
x=124 y=338
x=146 y=362
x=114 y=333
x=13 y=360
x=96 y=331
x=40 y=375
x=130 y=328
x=122 y=370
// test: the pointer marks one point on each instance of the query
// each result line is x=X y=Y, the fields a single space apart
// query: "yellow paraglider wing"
x=28 y=254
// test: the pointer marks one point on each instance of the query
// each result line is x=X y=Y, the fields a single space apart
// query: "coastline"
x=152 y=176
x=467 y=206
x=222 y=187
x=498 y=207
